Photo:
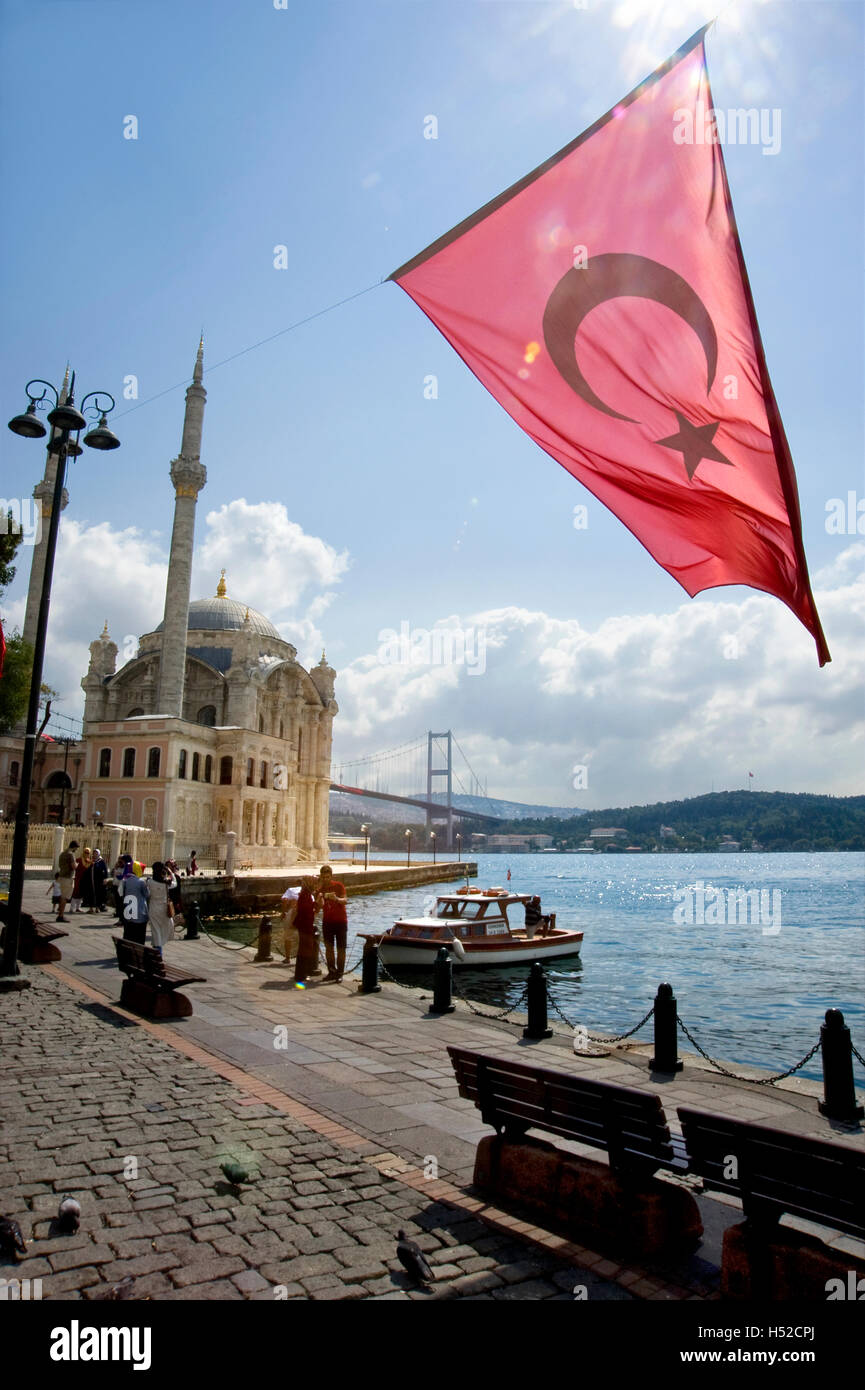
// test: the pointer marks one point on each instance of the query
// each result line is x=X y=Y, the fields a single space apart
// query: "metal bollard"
x=665 y=1058
x=265 y=930
x=442 y=983
x=537 y=1001
x=192 y=918
x=369 y=969
x=839 y=1092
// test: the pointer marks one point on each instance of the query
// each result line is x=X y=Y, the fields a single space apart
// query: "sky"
x=342 y=500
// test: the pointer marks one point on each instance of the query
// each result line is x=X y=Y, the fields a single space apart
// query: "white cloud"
x=270 y=561
x=658 y=706
x=105 y=573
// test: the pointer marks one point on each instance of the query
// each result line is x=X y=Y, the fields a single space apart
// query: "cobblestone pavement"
x=95 y=1105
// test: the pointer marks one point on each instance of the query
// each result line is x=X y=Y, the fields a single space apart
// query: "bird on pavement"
x=68 y=1215
x=235 y=1172
x=412 y=1259
x=117 y=1292
x=11 y=1240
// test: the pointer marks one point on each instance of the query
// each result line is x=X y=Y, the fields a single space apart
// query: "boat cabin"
x=464 y=915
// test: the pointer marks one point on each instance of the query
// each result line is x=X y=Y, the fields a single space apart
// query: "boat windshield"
x=468 y=909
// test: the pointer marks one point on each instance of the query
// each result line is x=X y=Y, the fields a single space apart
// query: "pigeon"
x=68 y=1216
x=413 y=1259
x=235 y=1173
x=125 y=1289
x=11 y=1239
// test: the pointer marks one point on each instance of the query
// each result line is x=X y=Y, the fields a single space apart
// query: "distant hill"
x=755 y=820
x=766 y=820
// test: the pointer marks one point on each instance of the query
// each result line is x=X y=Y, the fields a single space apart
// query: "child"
x=56 y=895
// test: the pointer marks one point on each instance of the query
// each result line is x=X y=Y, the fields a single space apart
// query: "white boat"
x=474 y=925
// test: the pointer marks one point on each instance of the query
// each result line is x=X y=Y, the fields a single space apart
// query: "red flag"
x=604 y=302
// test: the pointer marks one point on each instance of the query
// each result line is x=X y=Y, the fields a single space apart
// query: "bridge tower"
x=446 y=771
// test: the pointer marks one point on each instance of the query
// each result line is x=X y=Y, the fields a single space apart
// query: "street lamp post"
x=364 y=830
x=459 y=848
x=408 y=849
x=66 y=420
x=432 y=836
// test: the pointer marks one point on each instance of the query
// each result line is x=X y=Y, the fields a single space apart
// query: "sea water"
x=750 y=991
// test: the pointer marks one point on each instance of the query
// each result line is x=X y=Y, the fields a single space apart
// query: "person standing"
x=81 y=867
x=173 y=881
x=304 y=922
x=99 y=873
x=66 y=869
x=160 y=908
x=136 y=896
x=192 y=866
x=288 y=913
x=332 y=897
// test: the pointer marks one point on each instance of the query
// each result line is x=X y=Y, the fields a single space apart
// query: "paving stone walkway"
x=370 y=1076
x=96 y=1105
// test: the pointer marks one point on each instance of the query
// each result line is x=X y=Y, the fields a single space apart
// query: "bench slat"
x=777 y=1172
x=144 y=963
x=629 y=1124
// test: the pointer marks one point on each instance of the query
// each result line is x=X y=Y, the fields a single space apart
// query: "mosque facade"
x=213 y=727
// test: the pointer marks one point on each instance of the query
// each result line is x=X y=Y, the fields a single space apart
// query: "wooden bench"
x=621 y=1203
x=151 y=987
x=775 y=1173
x=35 y=939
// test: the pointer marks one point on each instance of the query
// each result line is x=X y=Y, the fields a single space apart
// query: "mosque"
x=213 y=726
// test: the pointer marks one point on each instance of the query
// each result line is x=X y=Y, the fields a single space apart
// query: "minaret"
x=188 y=475
x=44 y=495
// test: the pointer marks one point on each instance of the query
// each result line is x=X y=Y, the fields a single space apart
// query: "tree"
x=15 y=682
x=18 y=664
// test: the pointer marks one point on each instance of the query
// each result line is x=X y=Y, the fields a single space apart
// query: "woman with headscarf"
x=88 y=883
x=99 y=872
x=82 y=865
x=135 y=897
x=304 y=923
x=160 y=908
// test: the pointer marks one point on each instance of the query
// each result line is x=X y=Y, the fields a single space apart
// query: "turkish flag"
x=604 y=302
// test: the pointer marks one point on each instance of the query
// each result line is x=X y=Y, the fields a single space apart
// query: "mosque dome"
x=224 y=614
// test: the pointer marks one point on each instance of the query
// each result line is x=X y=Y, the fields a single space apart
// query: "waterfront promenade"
x=344 y=1104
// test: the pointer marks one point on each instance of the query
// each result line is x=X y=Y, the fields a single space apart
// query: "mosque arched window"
x=263 y=780
x=14 y=771
x=181 y=764
x=250 y=772
x=207 y=716
x=208 y=768
x=133 y=713
x=129 y=762
x=261 y=723
x=153 y=760
x=226 y=771
x=105 y=762
x=196 y=767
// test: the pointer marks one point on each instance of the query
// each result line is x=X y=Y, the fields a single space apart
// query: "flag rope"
x=299 y=323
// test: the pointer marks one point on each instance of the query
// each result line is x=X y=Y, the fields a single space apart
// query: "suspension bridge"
x=419 y=773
